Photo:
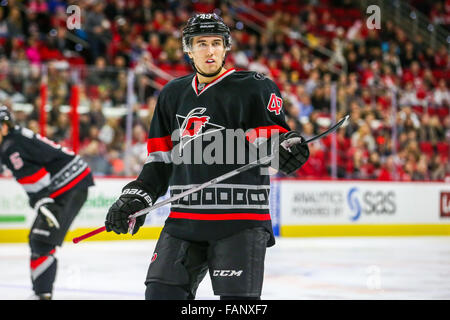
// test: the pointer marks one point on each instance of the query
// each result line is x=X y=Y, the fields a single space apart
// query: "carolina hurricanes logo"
x=194 y=125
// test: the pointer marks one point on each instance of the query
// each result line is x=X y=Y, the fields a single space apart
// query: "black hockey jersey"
x=42 y=167
x=199 y=132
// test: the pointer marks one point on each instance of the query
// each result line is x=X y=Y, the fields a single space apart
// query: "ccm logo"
x=227 y=273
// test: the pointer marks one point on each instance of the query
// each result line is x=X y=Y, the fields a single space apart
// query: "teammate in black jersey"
x=56 y=182
x=198 y=124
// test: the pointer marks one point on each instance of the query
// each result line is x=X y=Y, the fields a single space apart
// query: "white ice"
x=296 y=269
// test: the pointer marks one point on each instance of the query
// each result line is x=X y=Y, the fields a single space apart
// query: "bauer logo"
x=445 y=204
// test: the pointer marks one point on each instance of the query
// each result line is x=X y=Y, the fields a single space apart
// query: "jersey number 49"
x=275 y=104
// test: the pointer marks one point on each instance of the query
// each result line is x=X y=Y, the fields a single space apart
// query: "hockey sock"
x=43 y=272
x=160 y=291
x=239 y=298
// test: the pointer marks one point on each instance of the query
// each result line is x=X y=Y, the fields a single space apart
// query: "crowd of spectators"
x=437 y=11
x=394 y=87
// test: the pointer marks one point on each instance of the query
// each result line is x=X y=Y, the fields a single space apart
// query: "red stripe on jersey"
x=34 y=263
x=219 y=216
x=159 y=144
x=218 y=78
x=35 y=177
x=263 y=132
x=71 y=184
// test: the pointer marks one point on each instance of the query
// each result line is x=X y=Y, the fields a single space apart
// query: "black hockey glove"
x=293 y=152
x=48 y=208
x=134 y=198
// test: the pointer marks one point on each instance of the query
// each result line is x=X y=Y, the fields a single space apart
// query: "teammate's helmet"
x=6 y=116
x=205 y=24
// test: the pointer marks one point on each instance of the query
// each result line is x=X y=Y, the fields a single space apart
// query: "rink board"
x=298 y=209
x=363 y=208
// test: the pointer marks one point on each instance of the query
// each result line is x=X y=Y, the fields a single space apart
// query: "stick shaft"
x=216 y=180
x=89 y=234
x=333 y=128
x=232 y=173
x=204 y=185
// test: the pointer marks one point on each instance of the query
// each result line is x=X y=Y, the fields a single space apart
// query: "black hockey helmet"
x=6 y=116
x=205 y=24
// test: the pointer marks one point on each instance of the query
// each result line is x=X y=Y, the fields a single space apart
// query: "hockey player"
x=226 y=228
x=56 y=182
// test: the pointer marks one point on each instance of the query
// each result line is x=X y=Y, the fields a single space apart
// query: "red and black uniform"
x=237 y=101
x=224 y=228
x=52 y=177
x=42 y=167
x=201 y=131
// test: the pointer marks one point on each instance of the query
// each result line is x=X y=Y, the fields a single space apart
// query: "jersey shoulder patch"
x=253 y=81
x=259 y=76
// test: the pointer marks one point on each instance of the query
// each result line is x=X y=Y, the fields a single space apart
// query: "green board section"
x=12 y=218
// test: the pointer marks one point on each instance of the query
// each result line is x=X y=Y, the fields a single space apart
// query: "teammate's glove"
x=293 y=152
x=134 y=198
x=48 y=208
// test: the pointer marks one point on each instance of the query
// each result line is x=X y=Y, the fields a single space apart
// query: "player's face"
x=208 y=53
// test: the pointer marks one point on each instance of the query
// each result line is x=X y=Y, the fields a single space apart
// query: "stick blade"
x=331 y=129
x=345 y=120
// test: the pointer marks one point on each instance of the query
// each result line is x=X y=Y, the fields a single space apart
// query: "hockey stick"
x=264 y=160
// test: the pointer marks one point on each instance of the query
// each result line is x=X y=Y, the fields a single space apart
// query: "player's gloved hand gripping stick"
x=287 y=143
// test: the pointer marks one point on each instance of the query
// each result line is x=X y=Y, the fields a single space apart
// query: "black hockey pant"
x=235 y=264
x=45 y=237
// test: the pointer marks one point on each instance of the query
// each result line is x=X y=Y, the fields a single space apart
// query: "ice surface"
x=296 y=268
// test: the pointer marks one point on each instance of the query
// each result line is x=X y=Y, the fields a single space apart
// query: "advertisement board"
x=16 y=216
x=298 y=209
x=363 y=208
